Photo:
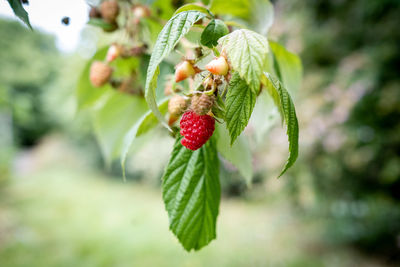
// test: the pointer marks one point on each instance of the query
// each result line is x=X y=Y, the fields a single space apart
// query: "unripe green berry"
x=184 y=70
x=218 y=66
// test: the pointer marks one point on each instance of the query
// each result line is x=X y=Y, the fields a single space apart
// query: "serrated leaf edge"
x=287 y=109
x=155 y=59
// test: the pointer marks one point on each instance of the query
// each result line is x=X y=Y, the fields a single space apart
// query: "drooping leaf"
x=287 y=66
x=285 y=104
x=239 y=154
x=86 y=93
x=113 y=120
x=214 y=30
x=19 y=11
x=170 y=35
x=239 y=103
x=147 y=122
x=247 y=51
x=193 y=7
x=191 y=193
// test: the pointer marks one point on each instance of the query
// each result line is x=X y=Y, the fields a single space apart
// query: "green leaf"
x=264 y=117
x=237 y=8
x=191 y=193
x=239 y=102
x=150 y=121
x=123 y=67
x=288 y=67
x=165 y=7
x=256 y=14
x=86 y=93
x=166 y=69
x=193 y=7
x=239 y=154
x=262 y=16
x=285 y=104
x=147 y=122
x=168 y=38
x=218 y=109
x=247 y=51
x=214 y=30
x=19 y=11
x=113 y=120
x=101 y=24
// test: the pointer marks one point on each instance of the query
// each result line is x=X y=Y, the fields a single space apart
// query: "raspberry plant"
x=227 y=66
x=227 y=73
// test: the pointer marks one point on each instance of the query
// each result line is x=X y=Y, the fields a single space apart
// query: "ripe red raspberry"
x=196 y=129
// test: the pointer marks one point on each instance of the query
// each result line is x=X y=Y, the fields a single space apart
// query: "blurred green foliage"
x=349 y=107
x=65 y=215
x=351 y=48
x=28 y=67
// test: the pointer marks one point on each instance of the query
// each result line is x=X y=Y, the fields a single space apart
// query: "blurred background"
x=338 y=206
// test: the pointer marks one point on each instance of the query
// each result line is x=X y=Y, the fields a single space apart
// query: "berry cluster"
x=197 y=124
x=195 y=106
x=109 y=10
x=115 y=15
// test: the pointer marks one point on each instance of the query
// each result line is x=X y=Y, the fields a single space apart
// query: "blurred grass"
x=63 y=214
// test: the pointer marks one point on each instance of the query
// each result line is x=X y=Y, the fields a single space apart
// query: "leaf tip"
x=123 y=171
x=233 y=139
